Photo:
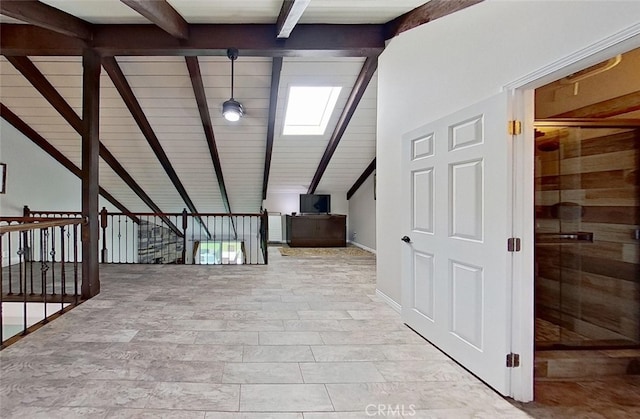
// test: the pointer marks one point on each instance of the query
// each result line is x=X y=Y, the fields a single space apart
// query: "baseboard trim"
x=363 y=247
x=394 y=305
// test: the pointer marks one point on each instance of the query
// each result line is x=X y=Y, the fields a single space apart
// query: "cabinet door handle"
x=406 y=239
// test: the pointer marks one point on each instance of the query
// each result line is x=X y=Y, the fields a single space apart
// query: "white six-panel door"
x=457 y=209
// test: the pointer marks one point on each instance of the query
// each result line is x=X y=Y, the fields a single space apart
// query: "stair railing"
x=39 y=277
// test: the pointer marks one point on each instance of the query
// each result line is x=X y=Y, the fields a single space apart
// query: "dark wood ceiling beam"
x=360 y=86
x=290 y=13
x=364 y=176
x=163 y=15
x=40 y=82
x=38 y=140
x=135 y=187
x=607 y=108
x=48 y=148
x=28 y=40
x=426 y=13
x=276 y=70
x=204 y=40
x=120 y=82
x=48 y=17
x=250 y=40
x=42 y=85
x=201 y=99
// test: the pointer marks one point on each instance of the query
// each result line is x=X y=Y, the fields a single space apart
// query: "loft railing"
x=39 y=276
x=179 y=238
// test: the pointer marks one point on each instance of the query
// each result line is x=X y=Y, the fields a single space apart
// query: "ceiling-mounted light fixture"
x=232 y=110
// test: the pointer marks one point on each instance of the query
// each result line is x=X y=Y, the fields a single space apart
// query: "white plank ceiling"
x=163 y=89
x=242 y=11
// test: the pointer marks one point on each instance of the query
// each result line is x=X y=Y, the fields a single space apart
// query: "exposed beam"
x=137 y=189
x=42 y=85
x=201 y=99
x=27 y=40
x=426 y=13
x=40 y=82
x=106 y=195
x=204 y=40
x=251 y=40
x=48 y=17
x=290 y=13
x=366 y=73
x=367 y=172
x=607 y=108
x=38 y=140
x=276 y=70
x=129 y=98
x=203 y=108
x=48 y=148
x=90 y=231
x=163 y=15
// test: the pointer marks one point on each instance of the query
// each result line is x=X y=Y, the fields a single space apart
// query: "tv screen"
x=315 y=204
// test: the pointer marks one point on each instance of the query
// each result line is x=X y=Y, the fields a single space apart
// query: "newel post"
x=103 y=225
x=26 y=212
x=184 y=235
x=265 y=236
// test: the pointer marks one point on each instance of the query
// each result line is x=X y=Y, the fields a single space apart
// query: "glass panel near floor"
x=587 y=228
x=220 y=253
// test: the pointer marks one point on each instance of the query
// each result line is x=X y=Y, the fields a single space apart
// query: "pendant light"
x=232 y=110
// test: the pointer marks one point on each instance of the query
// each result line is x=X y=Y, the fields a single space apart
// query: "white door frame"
x=523 y=194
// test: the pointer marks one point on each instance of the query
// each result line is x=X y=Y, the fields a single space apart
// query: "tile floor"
x=299 y=338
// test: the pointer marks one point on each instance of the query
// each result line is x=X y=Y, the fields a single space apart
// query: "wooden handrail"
x=38 y=225
x=189 y=214
x=35 y=219
x=157 y=214
x=69 y=213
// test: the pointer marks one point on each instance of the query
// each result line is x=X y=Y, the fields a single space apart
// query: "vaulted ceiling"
x=165 y=74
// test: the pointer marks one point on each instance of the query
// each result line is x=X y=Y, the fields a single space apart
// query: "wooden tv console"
x=321 y=230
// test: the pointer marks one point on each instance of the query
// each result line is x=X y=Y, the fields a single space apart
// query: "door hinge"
x=513 y=244
x=514 y=127
x=513 y=360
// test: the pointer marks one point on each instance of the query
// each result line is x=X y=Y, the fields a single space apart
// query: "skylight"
x=309 y=109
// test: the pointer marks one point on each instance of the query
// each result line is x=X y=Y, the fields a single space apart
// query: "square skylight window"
x=309 y=109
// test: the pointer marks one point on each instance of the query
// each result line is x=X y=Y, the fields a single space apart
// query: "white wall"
x=286 y=203
x=35 y=179
x=453 y=62
x=362 y=212
x=339 y=203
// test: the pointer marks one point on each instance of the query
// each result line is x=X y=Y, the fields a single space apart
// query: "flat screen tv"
x=315 y=204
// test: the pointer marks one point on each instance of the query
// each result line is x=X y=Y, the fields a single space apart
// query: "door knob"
x=406 y=239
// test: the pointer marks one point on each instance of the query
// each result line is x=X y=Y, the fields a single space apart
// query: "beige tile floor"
x=299 y=338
